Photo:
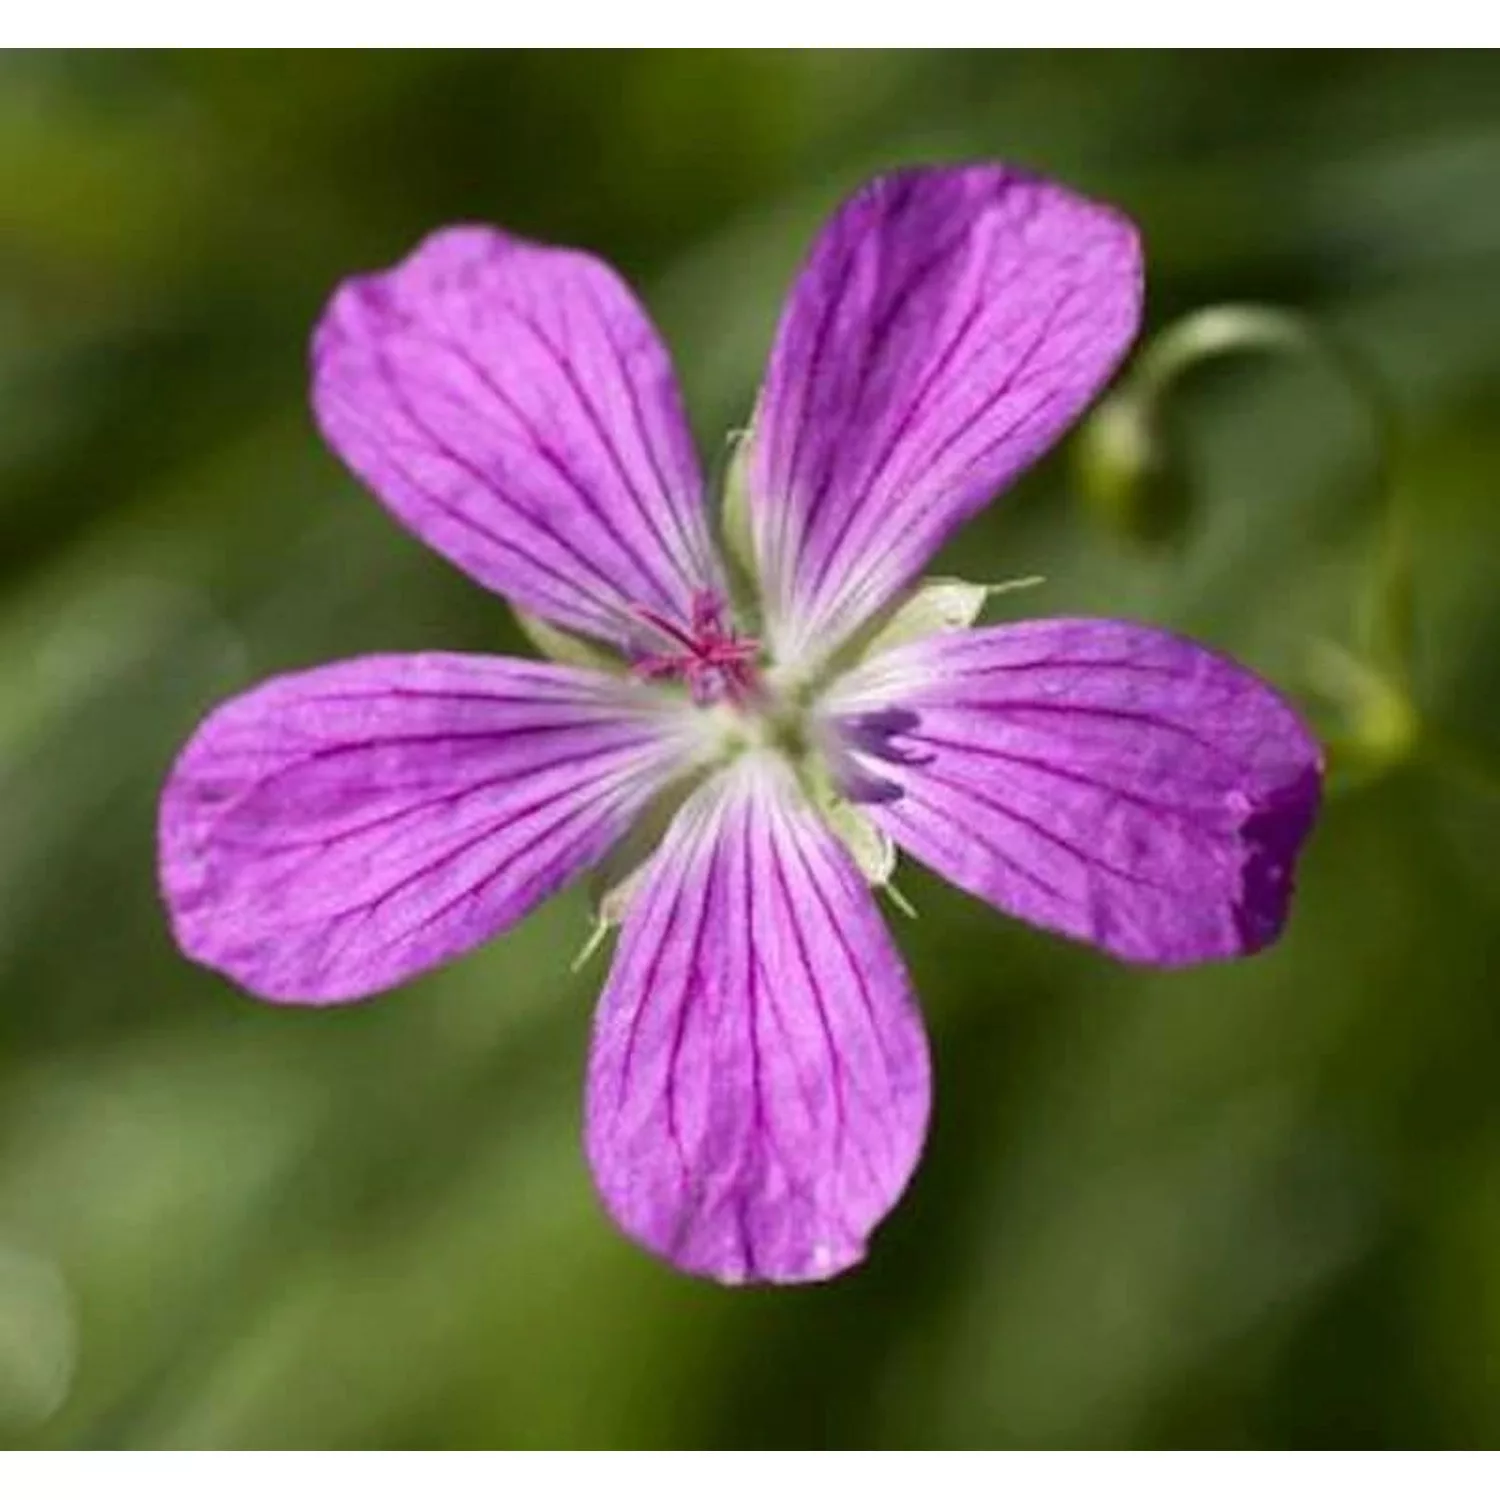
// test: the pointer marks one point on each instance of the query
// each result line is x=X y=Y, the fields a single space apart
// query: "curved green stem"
x=1373 y=683
x=1384 y=626
x=1233 y=329
x=1370 y=684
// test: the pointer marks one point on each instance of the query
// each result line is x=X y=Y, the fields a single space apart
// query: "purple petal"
x=513 y=405
x=332 y=833
x=1107 y=781
x=758 y=1089
x=948 y=325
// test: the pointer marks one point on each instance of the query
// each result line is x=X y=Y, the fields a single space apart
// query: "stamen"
x=667 y=628
x=713 y=661
x=708 y=616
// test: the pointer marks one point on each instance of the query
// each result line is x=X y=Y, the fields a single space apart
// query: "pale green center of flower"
x=743 y=704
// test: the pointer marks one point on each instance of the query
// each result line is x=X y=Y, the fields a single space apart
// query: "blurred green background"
x=1248 y=1205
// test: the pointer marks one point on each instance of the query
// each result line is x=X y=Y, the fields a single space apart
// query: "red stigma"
x=713 y=661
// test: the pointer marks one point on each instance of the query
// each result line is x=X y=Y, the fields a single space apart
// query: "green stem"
x=1373 y=683
x=1232 y=331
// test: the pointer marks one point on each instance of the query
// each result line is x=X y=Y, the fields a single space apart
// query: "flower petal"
x=513 y=405
x=1108 y=781
x=758 y=1089
x=946 y=328
x=334 y=832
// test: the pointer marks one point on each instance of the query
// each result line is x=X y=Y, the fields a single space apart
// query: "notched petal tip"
x=1272 y=836
x=732 y=1265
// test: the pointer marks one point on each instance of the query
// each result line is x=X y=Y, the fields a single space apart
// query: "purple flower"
x=758 y=1089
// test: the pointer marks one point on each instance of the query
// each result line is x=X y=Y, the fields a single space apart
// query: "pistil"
x=714 y=661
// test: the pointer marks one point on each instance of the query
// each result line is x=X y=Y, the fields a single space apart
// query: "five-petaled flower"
x=758 y=1088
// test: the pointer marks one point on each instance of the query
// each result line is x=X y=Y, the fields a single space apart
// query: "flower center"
x=716 y=663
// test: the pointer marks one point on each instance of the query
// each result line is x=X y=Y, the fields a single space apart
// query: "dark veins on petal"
x=873 y=735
